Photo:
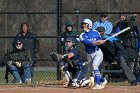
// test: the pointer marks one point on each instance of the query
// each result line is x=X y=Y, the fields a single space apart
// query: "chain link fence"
x=43 y=18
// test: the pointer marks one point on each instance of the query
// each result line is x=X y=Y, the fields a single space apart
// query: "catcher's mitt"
x=55 y=56
x=67 y=61
x=58 y=57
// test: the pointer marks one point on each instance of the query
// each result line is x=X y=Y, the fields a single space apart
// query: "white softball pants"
x=95 y=60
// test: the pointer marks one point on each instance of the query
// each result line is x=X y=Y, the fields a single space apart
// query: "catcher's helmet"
x=71 y=40
x=87 y=21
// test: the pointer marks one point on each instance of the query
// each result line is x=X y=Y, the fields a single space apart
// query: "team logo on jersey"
x=86 y=36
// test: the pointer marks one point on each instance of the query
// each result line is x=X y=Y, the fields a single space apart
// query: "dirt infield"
x=60 y=89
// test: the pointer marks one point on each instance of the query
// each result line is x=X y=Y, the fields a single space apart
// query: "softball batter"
x=91 y=39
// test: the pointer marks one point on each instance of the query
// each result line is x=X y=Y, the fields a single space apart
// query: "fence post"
x=59 y=36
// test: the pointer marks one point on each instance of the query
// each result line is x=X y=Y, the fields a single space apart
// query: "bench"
x=112 y=72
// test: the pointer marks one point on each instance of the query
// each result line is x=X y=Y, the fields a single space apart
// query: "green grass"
x=38 y=76
x=48 y=77
x=44 y=76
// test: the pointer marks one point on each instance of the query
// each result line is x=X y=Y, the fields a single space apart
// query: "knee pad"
x=67 y=76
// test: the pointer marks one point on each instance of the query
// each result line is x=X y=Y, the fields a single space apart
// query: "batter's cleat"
x=91 y=83
x=97 y=87
x=104 y=83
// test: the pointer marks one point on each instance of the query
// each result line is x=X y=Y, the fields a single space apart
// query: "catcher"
x=19 y=62
x=74 y=67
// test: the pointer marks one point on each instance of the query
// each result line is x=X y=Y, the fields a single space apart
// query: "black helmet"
x=100 y=29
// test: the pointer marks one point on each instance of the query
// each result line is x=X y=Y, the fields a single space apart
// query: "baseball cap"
x=104 y=15
x=19 y=42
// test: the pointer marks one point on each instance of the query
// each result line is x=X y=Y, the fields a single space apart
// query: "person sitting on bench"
x=19 y=63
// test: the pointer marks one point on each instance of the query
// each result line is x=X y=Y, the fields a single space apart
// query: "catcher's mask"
x=71 y=41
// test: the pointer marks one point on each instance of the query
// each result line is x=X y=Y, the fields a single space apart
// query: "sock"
x=102 y=79
x=97 y=76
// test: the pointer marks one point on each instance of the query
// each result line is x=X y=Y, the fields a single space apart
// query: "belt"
x=91 y=52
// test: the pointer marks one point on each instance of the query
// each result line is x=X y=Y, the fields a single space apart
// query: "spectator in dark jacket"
x=124 y=23
x=19 y=62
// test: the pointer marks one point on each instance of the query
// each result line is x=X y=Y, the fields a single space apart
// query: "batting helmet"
x=87 y=21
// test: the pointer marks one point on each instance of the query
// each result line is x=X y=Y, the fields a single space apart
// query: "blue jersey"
x=87 y=38
x=76 y=59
